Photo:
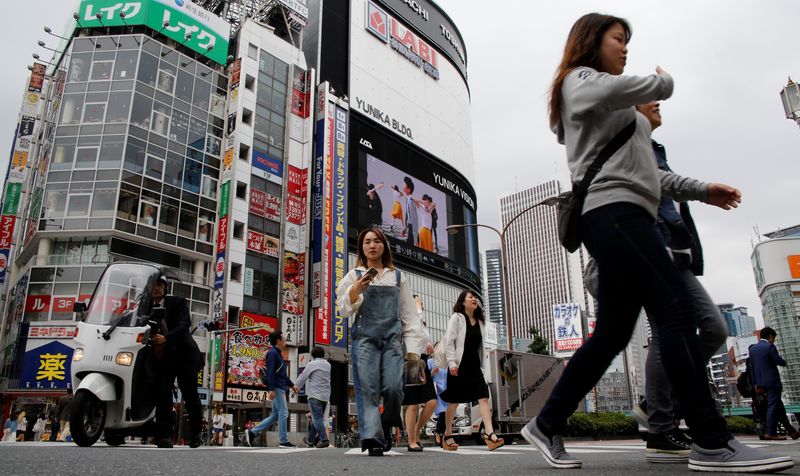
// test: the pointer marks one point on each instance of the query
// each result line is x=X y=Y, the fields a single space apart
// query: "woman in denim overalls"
x=384 y=319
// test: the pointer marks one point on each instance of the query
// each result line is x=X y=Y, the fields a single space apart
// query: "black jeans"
x=187 y=383
x=636 y=271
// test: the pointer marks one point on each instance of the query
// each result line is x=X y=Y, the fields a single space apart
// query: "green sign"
x=11 y=203
x=224 y=198
x=36 y=204
x=206 y=30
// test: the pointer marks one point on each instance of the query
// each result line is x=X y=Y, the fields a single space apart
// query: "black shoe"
x=164 y=443
x=377 y=451
x=387 y=438
x=414 y=449
x=196 y=442
x=670 y=447
x=323 y=444
x=307 y=443
x=288 y=444
x=248 y=438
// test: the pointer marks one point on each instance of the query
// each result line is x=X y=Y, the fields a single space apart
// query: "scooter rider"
x=177 y=356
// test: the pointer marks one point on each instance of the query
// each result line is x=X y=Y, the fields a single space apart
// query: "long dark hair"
x=582 y=49
x=459 y=306
x=386 y=258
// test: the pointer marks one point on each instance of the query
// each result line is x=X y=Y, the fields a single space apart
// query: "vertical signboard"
x=320 y=274
x=569 y=332
x=339 y=219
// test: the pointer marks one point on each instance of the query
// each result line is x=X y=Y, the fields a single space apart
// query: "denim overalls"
x=377 y=354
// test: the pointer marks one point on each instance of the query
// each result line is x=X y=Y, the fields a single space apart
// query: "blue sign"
x=48 y=366
x=267 y=163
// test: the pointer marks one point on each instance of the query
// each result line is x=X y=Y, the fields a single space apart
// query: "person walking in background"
x=591 y=105
x=39 y=427
x=412 y=223
x=438 y=372
x=278 y=384
x=397 y=210
x=10 y=428
x=764 y=362
x=217 y=427
x=377 y=300
x=416 y=395
x=666 y=443
x=318 y=376
x=464 y=344
x=54 y=423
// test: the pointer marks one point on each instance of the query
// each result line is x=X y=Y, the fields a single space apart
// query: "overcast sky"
x=724 y=123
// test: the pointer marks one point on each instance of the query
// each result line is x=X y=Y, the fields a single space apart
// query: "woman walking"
x=377 y=299
x=464 y=343
x=416 y=395
x=590 y=103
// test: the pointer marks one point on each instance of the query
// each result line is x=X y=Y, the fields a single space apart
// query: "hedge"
x=601 y=425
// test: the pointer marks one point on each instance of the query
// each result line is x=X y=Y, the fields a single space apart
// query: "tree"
x=540 y=345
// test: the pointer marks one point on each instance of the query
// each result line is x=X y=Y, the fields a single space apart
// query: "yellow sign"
x=20 y=159
x=51 y=366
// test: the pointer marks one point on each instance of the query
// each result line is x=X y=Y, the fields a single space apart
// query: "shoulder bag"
x=570 y=204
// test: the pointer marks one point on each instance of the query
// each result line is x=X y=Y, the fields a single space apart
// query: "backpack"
x=744 y=384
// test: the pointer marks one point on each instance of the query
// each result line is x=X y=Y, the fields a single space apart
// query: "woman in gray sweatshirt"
x=590 y=102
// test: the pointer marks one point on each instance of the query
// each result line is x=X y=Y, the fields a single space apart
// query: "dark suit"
x=181 y=359
x=764 y=362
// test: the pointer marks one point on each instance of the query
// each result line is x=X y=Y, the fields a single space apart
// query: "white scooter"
x=113 y=373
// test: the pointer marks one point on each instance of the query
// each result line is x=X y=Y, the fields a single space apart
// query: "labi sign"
x=209 y=33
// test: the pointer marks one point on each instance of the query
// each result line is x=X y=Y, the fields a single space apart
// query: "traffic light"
x=213 y=325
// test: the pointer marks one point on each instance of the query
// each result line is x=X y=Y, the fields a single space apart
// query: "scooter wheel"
x=87 y=418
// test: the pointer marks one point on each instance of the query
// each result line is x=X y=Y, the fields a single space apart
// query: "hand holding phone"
x=371 y=273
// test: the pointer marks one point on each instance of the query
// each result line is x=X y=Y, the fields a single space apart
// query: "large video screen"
x=412 y=197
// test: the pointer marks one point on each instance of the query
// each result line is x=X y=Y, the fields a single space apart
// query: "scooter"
x=113 y=365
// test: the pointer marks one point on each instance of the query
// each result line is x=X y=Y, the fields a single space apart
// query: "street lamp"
x=453 y=229
x=790 y=96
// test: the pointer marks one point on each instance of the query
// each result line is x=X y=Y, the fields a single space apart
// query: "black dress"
x=470 y=385
x=419 y=394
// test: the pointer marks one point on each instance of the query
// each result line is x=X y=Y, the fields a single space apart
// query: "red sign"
x=295 y=209
x=272 y=207
x=222 y=234
x=37 y=78
x=63 y=304
x=257 y=202
x=296 y=182
x=322 y=331
x=414 y=43
x=7 y=230
x=37 y=303
x=301 y=103
x=255 y=241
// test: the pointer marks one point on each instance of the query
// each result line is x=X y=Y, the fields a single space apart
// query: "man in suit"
x=177 y=356
x=764 y=362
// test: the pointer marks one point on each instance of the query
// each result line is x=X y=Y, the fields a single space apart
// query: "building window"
x=238 y=230
x=166 y=81
x=205 y=231
x=78 y=205
x=101 y=70
x=94 y=112
x=252 y=51
x=249 y=82
x=236 y=272
x=209 y=187
x=247 y=116
x=148 y=213
x=86 y=158
x=241 y=190
x=159 y=123
x=244 y=152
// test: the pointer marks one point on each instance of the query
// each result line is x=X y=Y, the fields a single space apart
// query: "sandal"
x=493 y=441
x=448 y=443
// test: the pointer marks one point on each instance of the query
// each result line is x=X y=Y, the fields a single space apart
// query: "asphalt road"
x=625 y=457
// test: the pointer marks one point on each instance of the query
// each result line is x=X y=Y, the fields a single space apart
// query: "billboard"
x=412 y=197
x=569 y=331
x=208 y=33
x=402 y=80
x=247 y=350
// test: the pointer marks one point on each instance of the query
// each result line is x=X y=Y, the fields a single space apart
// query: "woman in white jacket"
x=384 y=319
x=464 y=342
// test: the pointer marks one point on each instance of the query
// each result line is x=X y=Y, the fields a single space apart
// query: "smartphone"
x=372 y=272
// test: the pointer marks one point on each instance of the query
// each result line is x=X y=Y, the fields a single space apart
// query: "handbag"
x=414 y=373
x=570 y=203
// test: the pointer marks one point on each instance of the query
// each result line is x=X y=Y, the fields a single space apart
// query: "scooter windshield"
x=123 y=294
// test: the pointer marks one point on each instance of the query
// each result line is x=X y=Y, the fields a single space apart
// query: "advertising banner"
x=272 y=167
x=37 y=78
x=339 y=226
x=321 y=198
x=48 y=357
x=247 y=350
x=11 y=201
x=301 y=94
x=189 y=24
x=294 y=283
x=569 y=331
x=293 y=327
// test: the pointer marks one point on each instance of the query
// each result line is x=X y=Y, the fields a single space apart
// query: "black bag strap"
x=612 y=147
